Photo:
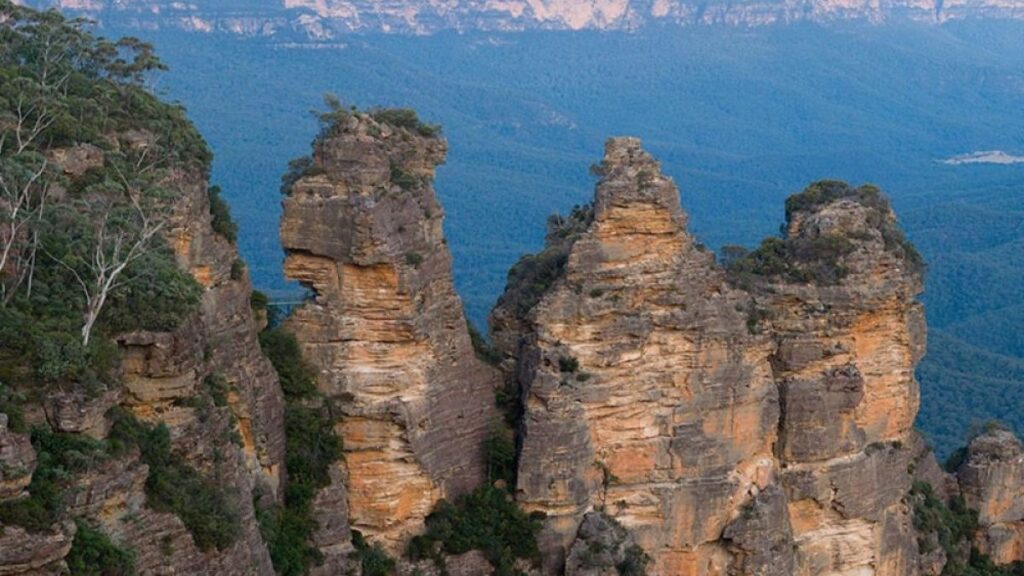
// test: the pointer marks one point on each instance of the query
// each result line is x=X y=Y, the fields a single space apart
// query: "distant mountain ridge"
x=329 y=19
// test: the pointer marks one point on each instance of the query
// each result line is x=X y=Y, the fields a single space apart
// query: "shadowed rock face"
x=696 y=414
x=163 y=376
x=992 y=482
x=385 y=330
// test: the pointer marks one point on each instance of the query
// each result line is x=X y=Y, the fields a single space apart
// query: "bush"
x=310 y=448
x=568 y=364
x=237 y=269
x=487 y=520
x=93 y=554
x=373 y=559
x=413 y=259
x=297 y=378
x=298 y=168
x=222 y=223
x=405 y=118
x=175 y=487
x=160 y=296
x=500 y=452
x=59 y=457
x=404 y=180
x=482 y=348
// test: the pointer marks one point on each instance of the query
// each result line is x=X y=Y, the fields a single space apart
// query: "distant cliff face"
x=329 y=19
x=385 y=330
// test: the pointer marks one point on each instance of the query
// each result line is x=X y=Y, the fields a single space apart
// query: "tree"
x=23 y=193
x=113 y=226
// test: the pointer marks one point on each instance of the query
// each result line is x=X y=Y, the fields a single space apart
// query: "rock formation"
x=385 y=330
x=991 y=479
x=697 y=414
x=165 y=379
x=644 y=394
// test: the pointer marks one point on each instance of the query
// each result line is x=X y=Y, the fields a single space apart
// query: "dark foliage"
x=59 y=457
x=373 y=560
x=311 y=447
x=405 y=118
x=174 y=486
x=483 y=349
x=500 y=451
x=93 y=554
x=222 y=223
x=486 y=520
x=817 y=259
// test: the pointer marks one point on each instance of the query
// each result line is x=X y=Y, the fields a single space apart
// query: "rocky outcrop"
x=235 y=440
x=238 y=442
x=644 y=394
x=848 y=332
x=321 y=20
x=701 y=416
x=991 y=479
x=17 y=461
x=362 y=230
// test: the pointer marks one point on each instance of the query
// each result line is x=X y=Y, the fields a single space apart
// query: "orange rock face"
x=385 y=329
x=696 y=414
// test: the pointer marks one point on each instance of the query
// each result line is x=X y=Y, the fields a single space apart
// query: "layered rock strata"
x=697 y=414
x=362 y=230
x=644 y=394
x=991 y=479
x=165 y=379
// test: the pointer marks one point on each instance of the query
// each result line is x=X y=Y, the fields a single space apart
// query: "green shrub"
x=218 y=387
x=486 y=519
x=160 y=296
x=175 y=487
x=222 y=223
x=482 y=348
x=405 y=118
x=635 y=563
x=258 y=300
x=93 y=554
x=404 y=180
x=500 y=452
x=568 y=364
x=373 y=560
x=298 y=168
x=311 y=447
x=237 y=269
x=413 y=259
x=297 y=378
x=59 y=456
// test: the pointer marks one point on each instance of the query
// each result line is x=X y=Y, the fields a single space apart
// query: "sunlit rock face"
x=992 y=482
x=695 y=413
x=385 y=329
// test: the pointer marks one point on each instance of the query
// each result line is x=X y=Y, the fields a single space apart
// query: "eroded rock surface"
x=992 y=482
x=699 y=411
x=385 y=330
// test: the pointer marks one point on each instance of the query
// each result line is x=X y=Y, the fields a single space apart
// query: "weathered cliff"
x=700 y=415
x=362 y=230
x=991 y=479
x=644 y=394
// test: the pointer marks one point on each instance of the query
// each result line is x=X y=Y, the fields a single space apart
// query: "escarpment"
x=384 y=329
